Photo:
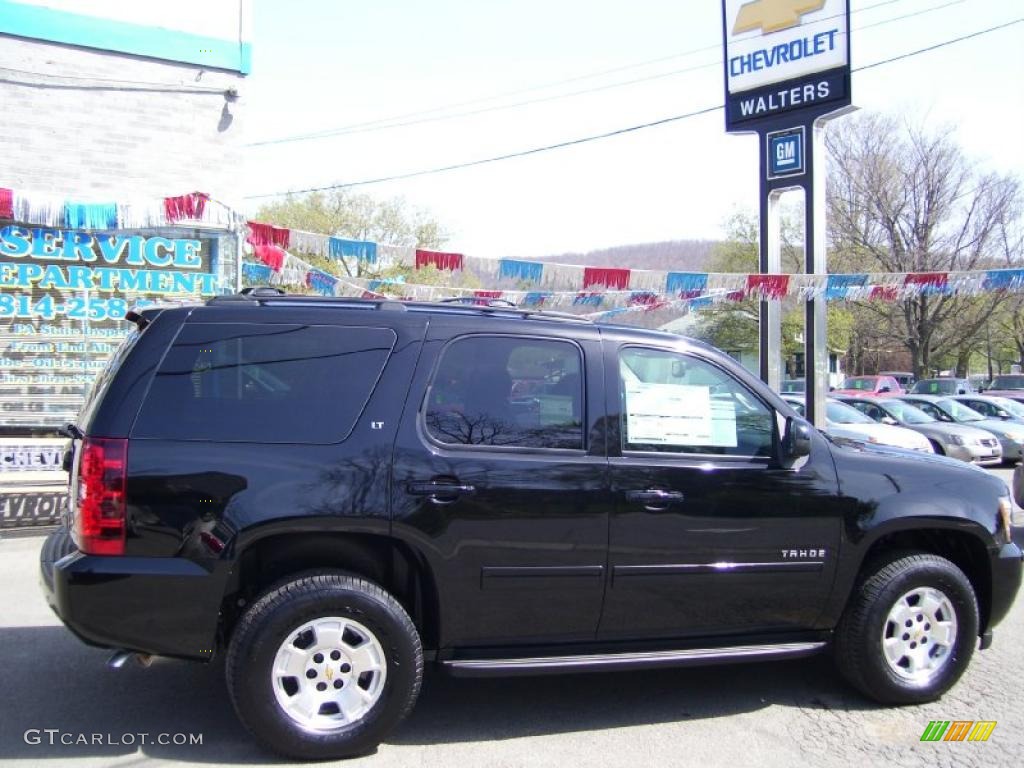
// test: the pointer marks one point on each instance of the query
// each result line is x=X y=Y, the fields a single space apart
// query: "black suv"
x=333 y=492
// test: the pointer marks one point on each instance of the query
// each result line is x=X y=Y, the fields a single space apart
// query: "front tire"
x=909 y=630
x=324 y=666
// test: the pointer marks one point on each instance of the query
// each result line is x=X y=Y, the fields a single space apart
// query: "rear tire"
x=324 y=666
x=909 y=630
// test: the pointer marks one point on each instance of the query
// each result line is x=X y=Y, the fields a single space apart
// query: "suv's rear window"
x=264 y=383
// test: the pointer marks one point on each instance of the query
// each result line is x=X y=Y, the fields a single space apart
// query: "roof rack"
x=266 y=295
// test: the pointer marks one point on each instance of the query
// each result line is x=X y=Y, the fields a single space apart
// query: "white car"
x=842 y=422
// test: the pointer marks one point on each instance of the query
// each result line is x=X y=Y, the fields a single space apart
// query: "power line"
x=609 y=134
x=429 y=115
x=597 y=89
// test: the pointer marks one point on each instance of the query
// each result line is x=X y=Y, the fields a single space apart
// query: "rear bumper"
x=167 y=606
x=1006 y=578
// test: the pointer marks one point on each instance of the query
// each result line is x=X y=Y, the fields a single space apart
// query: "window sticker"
x=554 y=409
x=723 y=423
x=668 y=414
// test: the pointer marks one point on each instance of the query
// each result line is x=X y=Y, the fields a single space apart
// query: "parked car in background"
x=869 y=385
x=1009 y=385
x=957 y=440
x=942 y=386
x=994 y=407
x=904 y=378
x=793 y=387
x=1010 y=435
x=843 y=422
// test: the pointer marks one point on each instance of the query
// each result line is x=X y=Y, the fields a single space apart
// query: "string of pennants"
x=272 y=249
x=50 y=210
x=542 y=283
x=682 y=290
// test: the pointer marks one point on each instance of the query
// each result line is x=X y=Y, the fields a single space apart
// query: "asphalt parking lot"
x=777 y=714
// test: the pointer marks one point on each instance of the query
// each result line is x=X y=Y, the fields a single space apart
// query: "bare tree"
x=905 y=199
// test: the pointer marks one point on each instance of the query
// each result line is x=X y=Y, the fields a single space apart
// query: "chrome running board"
x=540 y=665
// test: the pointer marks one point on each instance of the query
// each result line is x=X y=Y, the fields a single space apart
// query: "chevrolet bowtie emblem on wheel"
x=773 y=15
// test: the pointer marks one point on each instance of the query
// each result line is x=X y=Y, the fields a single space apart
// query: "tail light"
x=101 y=516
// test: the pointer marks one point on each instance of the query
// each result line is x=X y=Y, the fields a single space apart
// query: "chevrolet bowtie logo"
x=773 y=15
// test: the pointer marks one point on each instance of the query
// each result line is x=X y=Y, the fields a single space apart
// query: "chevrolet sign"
x=784 y=55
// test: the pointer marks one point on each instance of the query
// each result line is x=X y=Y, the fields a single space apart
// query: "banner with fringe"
x=46 y=209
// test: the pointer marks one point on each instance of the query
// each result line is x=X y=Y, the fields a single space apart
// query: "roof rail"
x=266 y=295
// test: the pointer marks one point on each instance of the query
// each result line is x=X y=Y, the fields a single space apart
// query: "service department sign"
x=784 y=56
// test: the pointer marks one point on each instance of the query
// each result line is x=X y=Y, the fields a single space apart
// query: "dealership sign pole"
x=787 y=73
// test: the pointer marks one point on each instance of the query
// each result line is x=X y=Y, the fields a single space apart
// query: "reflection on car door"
x=498 y=480
x=709 y=533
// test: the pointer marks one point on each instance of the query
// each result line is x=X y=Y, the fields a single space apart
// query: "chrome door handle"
x=654 y=499
x=440 y=493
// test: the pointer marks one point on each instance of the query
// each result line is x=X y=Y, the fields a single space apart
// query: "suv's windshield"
x=841 y=413
x=959 y=411
x=863 y=383
x=937 y=387
x=907 y=413
x=1007 y=382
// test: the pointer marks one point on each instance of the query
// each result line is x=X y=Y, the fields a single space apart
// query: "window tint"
x=505 y=391
x=264 y=383
x=681 y=404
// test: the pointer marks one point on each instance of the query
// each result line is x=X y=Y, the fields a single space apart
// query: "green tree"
x=733 y=326
x=342 y=213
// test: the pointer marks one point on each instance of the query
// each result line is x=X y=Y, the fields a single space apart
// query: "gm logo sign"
x=786 y=153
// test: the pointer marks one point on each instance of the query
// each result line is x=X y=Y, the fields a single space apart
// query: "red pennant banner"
x=6 y=204
x=447 y=261
x=616 y=279
x=266 y=234
x=188 y=206
x=885 y=292
x=934 y=280
x=768 y=286
x=270 y=255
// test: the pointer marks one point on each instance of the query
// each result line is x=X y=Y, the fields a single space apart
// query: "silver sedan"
x=957 y=440
x=949 y=410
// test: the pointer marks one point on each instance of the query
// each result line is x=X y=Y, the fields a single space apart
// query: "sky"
x=323 y=65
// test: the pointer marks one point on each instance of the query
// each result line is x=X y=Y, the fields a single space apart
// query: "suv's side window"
x=264 y=383
x=681 y=404
x=509 y=392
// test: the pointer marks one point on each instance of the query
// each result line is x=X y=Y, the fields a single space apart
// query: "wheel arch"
x=964 y=549
x=395 y=566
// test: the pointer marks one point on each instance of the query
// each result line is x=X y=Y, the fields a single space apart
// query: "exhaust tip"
x=119 y=658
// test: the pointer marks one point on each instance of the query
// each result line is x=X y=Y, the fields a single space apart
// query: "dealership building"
x=120 y=160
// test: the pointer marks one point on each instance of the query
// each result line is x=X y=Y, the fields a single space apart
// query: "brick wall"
x=70 y=123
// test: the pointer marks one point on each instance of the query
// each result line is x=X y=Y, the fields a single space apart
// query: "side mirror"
x=889 y=420
x=797 y=441
x=885 y=388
